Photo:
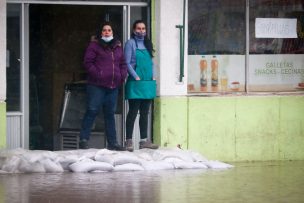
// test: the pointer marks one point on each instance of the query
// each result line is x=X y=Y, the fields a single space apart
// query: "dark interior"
x=59 y=35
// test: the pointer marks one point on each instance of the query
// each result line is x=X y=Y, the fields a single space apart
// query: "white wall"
x=2 y=50
x=169 y=13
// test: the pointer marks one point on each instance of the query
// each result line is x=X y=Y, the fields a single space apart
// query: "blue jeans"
x=105 y=98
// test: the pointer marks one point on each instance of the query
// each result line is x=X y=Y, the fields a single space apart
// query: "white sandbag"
x=189 y=165
x=128 y=167
x=88 y=166
x=11 y=164
x=65 y=161
x=217 y=165
x=144 y=154
x=87 y=153
x=51 y=166
x=157 y=165
x=197 y=157
x=36 y=155
x=162 y=154
x=27 y=167
x=117 y=158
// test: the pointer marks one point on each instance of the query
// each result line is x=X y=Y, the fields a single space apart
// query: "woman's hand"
x=137 y=78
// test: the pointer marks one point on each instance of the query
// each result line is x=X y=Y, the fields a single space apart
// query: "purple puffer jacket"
x=105 y=65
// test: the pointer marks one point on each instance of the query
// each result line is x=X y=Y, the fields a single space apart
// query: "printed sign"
x=276 y=72
x=275 y=28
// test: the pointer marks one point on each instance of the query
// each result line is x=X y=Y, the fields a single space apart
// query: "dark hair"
x=101 y=27
x=147 y=42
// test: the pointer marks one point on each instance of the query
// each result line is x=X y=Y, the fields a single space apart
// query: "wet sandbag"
x=31 y=167
x=162 y=154
x=65 y=161
x=116 y=158
x=89 y=165
x=157 y=165
x=189 y=165
x=11 y=164
x=181 y=164
x=51 y=166
x=128 y=167
x=144 y=154
x=217 y=165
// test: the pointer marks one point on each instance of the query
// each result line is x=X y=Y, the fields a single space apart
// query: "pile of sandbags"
x=96 y=160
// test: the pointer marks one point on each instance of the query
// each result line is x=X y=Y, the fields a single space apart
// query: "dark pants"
x=143 y=106
x=105 y=98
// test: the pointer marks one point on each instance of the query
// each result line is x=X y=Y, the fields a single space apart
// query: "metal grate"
x=69 y=140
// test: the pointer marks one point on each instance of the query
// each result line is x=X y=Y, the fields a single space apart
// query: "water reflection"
x=251 y=182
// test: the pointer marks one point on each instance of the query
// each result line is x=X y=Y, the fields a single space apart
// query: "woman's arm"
x=89 y=60
x=128 y=56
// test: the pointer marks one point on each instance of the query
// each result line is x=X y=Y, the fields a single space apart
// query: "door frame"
x=23 y=114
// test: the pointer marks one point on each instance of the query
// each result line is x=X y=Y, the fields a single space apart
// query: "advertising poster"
x=282 y=72
x=216 y=73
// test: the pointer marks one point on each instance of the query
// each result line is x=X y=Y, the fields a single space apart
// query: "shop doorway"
x=52 y=39
x=59 y=35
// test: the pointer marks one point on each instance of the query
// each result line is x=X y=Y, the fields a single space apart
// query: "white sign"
x=275 y=28
x=276 y=69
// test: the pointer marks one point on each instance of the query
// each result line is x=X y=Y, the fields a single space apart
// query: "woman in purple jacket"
x=107 y=70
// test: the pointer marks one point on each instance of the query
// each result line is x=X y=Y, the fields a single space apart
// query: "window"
x=216 y=39
x=276 y=63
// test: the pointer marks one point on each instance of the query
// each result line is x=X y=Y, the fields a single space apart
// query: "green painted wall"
x=2 y=125
x=252 y=128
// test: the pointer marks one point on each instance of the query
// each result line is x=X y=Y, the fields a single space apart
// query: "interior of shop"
x=59 y=35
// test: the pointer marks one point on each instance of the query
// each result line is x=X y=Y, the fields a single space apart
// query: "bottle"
x=224 y=81
x=203 y=73
x=214 y=72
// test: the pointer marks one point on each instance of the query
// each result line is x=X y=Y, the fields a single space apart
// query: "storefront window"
x=216 y=45
x=13 y=60
x=276 y=60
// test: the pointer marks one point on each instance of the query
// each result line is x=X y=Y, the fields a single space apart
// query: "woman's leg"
x=109 y=109
x=134 y=105
x=143 y=120
x=95 y=97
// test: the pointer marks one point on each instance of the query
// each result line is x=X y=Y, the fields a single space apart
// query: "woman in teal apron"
x=140 y=89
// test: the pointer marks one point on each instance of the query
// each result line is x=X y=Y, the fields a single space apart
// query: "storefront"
x=242 y=96
x=45 y=78
x=239 y=95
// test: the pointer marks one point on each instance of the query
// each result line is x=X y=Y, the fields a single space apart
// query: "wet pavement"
x=269 y=182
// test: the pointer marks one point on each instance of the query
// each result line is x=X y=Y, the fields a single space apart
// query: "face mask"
x=139 y=34
x=107 y=39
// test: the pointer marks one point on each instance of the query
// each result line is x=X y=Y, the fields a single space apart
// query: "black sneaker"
x=83 y=144
x=116 y=147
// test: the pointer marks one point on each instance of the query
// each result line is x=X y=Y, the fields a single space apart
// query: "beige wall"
x=2 y=50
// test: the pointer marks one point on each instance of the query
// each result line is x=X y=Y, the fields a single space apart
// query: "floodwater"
x=269 y=182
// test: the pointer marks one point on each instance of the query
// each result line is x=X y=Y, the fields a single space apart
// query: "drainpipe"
x=182 y=44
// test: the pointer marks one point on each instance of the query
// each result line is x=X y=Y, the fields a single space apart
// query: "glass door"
x=17 y=57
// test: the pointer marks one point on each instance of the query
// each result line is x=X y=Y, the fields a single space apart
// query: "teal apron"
x=145 y=88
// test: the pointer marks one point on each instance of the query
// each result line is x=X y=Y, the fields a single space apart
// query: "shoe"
x=116 y=147
x=129 y=145
x=83 y=144
x=147 y=144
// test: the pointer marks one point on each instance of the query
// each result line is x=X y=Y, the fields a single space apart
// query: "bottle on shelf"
x=203 y=73
x=214 y=72
x=224 y=81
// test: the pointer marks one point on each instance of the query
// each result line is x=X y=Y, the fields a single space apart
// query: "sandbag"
x=128 y=167
x=88 y=166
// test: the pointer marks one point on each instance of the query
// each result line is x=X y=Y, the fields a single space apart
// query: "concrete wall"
x=2 y=74
x=168 y=14
x=233 y=128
